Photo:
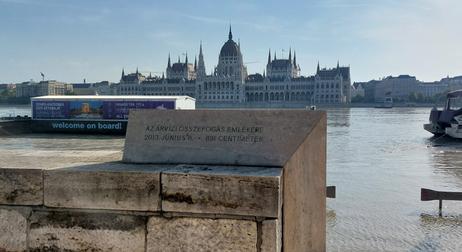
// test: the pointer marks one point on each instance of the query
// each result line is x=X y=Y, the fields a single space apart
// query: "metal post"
x=441 y=207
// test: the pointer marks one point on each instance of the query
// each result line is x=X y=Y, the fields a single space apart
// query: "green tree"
x=357 y=99
x=412 y=97
x=420 y=97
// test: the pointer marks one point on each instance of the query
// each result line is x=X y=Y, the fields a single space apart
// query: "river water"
x=8 y=110
x=378 y=159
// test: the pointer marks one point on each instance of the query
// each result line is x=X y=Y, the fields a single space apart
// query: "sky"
x=69 y=40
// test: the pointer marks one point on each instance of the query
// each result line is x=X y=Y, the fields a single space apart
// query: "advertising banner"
x=119 y=109
x=50 y=109
x=93 y=109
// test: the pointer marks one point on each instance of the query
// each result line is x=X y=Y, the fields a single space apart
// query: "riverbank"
x=282 y=105
x=4 y=111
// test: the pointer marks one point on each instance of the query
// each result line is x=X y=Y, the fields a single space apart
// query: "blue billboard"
x=93 y=109
x=50 y=109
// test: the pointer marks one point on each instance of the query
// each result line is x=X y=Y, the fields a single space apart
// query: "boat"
x=386 y=103
x=449 y=120
x=96 y=114
x=14 y=125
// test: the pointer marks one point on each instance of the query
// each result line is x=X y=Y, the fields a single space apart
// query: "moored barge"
x=96 y=114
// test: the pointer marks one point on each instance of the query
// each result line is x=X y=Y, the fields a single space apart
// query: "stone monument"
x=294 y=140
x=199 y=180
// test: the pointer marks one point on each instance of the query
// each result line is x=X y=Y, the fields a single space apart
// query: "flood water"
x=378 y=159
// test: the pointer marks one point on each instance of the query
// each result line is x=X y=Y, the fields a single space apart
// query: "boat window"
x=455 y=103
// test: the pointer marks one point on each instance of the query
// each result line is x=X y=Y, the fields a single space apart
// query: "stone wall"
x=112 y=206
x=266 y=195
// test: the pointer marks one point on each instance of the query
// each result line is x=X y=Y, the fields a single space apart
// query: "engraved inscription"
x=207 y=134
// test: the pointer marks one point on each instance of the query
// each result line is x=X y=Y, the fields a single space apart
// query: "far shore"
x=279 y=105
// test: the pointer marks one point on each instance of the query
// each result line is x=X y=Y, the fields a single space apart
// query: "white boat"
x=449 y=120
x=455 y=130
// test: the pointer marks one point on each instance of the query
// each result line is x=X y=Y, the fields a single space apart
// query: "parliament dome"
x=230 y=48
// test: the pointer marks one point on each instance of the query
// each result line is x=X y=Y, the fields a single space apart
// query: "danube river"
x=8 y=110
x=378 y=159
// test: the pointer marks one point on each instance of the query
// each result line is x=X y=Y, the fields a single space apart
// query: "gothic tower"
x=201 y=65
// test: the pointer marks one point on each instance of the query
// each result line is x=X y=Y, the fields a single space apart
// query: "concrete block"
x=197 y=234
x=57 y=157
x=233 y=190
x=21 y=186
x=13 y=228
x=78 y=231
x=304 y=193
x=271 y=236
x=219 y=137
x=114 y=186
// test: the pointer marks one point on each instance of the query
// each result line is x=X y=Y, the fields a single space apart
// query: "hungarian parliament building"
x=229 y=84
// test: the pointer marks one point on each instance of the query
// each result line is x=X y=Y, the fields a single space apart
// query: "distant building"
x=369 y=90
x=453 y=83
x=404 y=87
x=430 y=89
x=282 y=68
x=98 y=88
x=83 y=89
x=5 y=86
x=103 y=88
x=179 y=70
x=133 y=78
x=357 y=89
x=50 y=87
x=229 y=82
x=399 y=88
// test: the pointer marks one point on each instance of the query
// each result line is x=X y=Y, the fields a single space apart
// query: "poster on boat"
x=88 y=110
x=50 y=109
x=93 y=109
x=119 y=109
